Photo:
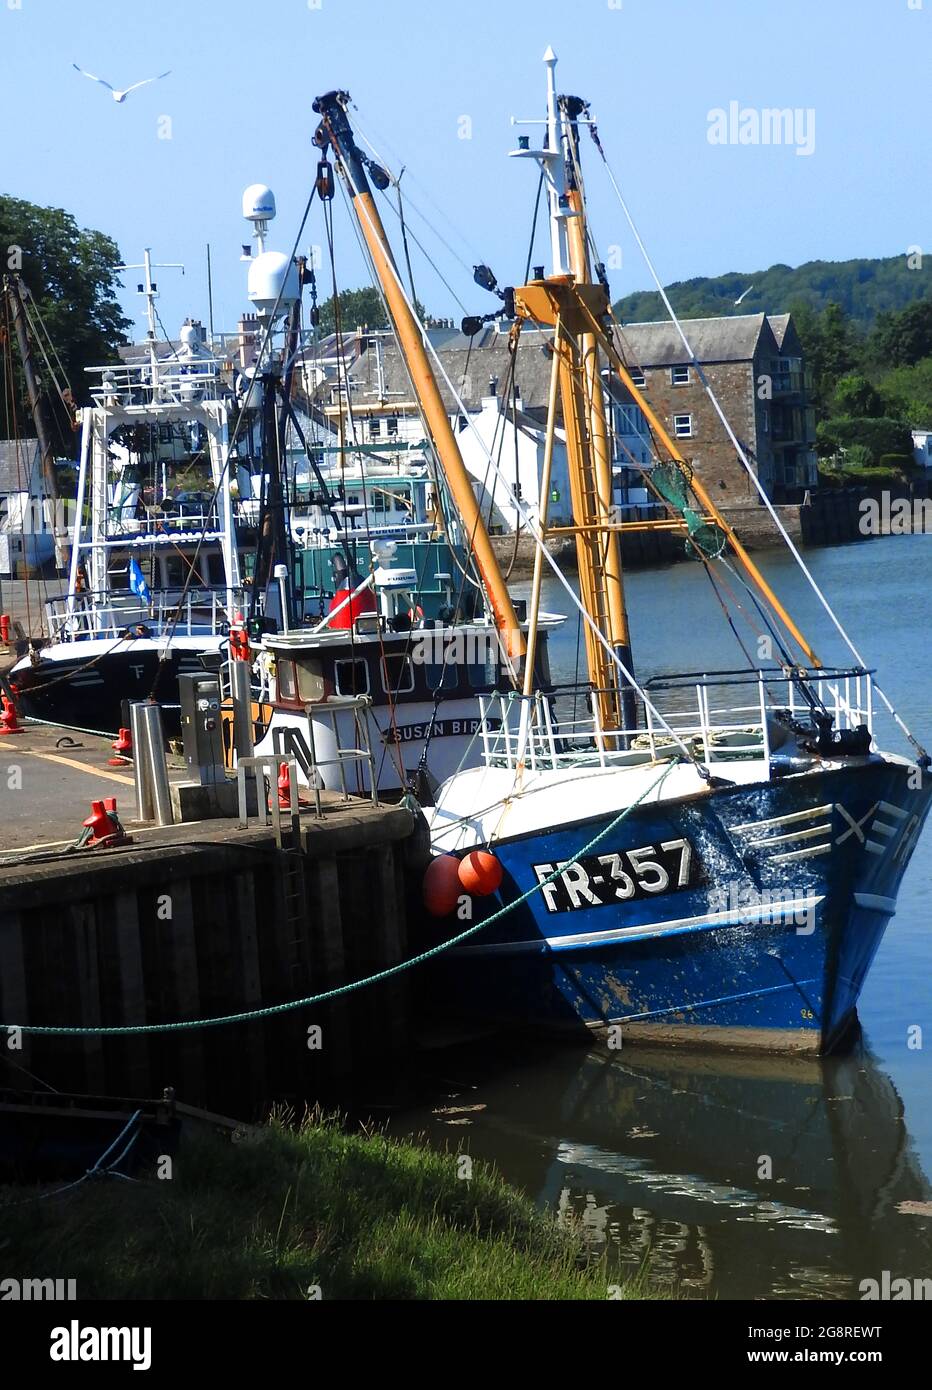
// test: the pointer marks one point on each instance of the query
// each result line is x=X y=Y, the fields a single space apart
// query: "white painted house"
x=26 y=542
x=516 y=441
x=922 y=448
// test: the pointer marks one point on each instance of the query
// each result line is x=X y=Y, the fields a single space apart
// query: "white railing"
x=171 y=382
x=539 y=732
x=201 y=612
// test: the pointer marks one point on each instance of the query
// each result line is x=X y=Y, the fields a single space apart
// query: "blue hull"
x=746 y=918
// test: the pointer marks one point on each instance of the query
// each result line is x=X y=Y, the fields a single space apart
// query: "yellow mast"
x=335 y=132
x=582 y=399
x=579 y=310
x=597 y=507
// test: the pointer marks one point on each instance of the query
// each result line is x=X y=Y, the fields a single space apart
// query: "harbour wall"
x=225 y=923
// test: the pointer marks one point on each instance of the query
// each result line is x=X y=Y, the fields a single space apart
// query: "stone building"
x=754 y=364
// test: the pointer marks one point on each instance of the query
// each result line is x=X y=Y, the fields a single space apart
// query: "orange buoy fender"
x=442 y=888
x=481 y=873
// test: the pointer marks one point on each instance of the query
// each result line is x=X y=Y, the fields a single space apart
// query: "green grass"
x=358 y=1216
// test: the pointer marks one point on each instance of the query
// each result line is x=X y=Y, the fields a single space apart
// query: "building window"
x=638 y=378
x=683 y=426
x=679 y=376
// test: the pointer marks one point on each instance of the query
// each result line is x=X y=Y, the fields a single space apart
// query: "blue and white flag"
x=137 y=582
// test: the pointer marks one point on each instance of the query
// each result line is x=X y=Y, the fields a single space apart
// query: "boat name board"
x=603 y=880
x=441 y=728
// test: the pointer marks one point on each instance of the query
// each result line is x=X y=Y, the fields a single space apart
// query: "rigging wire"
x=519 y=507
x=742 y=455
x=230 y=443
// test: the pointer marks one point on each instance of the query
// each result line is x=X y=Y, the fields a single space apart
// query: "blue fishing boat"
x=707 y=858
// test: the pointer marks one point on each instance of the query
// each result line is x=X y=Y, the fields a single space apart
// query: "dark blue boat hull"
x=791 y=885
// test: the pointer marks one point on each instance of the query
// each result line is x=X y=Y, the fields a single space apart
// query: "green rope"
x=271 y=1010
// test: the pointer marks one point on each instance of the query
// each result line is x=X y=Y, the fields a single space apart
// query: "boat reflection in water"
x=731 y=1176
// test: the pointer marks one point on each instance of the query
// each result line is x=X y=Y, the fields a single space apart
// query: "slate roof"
x=18 y=459
x=730 y=339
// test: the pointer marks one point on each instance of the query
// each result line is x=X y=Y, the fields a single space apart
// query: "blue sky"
x=244 y=76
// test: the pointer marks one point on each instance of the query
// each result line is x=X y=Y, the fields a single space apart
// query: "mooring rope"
x=271 y=1010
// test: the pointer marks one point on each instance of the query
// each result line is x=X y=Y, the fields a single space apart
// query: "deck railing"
x=174 y=382
x=200 y=612
x=719 y=717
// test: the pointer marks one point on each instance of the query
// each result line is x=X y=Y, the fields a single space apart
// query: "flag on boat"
x=137 y=582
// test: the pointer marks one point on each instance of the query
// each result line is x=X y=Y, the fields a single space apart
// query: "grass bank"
x=297 y=1209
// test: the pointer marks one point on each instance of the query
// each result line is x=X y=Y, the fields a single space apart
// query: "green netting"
x=673 y=485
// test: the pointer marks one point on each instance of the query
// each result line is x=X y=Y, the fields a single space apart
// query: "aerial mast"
x=335 y=133
x=589 y=457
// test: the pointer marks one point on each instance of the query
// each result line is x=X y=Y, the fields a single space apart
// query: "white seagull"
x=742 y=296
x=120 y=96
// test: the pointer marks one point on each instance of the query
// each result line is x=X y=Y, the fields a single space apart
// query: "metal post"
x=241 y=694
x=151 y=716
x=141 y=773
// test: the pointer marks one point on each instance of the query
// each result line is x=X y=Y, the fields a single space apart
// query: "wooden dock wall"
x=223 y=924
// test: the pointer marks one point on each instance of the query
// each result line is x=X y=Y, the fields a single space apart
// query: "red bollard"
x=122 y=745
x=284 y=787
x=104 y=825
x=8 y=721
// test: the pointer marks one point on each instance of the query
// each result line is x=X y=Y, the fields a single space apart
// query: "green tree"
x=71 y=275
x=903 y=339
x=854 y=395
x=357 y=309
x=878 y=435
x=838 y=350
x=907 y=393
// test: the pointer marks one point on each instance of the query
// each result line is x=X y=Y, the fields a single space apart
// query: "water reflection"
x=733 y=1177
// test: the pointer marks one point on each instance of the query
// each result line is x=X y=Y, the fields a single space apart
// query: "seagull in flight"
x=120 y=96
x=742 y=296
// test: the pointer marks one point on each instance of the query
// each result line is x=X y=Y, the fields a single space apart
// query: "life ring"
x=416 y=614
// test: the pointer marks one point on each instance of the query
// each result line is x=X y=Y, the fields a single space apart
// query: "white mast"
x=150 y=290
x=550 y=160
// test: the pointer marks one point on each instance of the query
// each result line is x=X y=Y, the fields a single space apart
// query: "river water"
x=737 y=1177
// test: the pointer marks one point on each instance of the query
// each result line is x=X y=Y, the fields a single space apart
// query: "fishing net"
x=672 y=483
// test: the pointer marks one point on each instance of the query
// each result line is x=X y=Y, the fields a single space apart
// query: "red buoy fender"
x=441 y=888
x=481 y=873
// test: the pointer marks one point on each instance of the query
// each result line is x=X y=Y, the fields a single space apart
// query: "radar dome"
x=273 y=279
x=258 y=202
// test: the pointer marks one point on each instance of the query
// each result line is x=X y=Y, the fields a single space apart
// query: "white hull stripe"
x=823 y=829
x=873 y=902
x=800 y=854
x=792 y=819
x=769 y=913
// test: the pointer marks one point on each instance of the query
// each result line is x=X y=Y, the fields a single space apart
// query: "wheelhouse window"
x=397 y=674
x=351 y=677
x=679 y=376
x=287 y=687
x=683 y=426
x=311 y=681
